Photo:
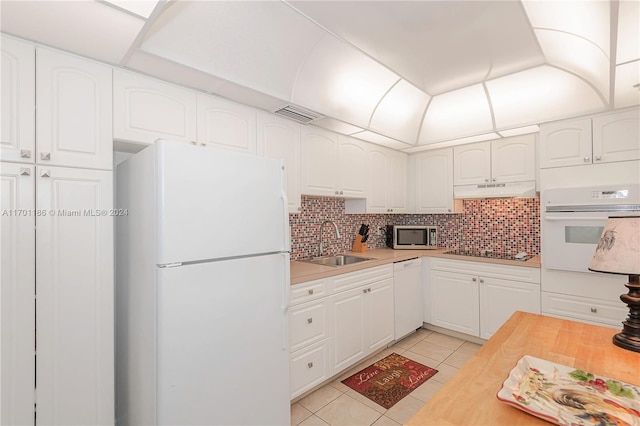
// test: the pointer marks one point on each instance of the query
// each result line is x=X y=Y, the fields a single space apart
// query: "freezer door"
x=216 y=204
x=222 y=343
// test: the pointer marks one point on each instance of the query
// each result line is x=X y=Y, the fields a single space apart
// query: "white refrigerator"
x=202 y=288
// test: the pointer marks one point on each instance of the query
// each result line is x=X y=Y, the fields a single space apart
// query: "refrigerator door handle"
x=285 y=211
x=286 y=301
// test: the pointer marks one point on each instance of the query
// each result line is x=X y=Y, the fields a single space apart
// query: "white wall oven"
x=573 y=219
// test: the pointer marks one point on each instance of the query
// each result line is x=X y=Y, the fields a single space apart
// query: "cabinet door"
x=565 y=143
x=499 y=299
x=352 y=161
x=17 y=140
x=74 y=100
x=377 y=184
x=308 y=324
x=279 y=138
x=309 y=367
x=616 y=137
x=513 y=159
x=434 y=181
x=379 y=315
x=226 y=125
x=454 y=302
x=348 y=329
x=472 y=163
x=397 y=182
x=74 y=252
x=319 y=161
x=145 y=109
x=17 y=294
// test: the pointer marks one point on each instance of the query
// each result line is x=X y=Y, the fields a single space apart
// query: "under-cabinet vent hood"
x=301 y=115
x=496 y=190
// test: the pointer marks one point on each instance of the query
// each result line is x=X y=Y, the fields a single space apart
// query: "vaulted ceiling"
x=406 y=74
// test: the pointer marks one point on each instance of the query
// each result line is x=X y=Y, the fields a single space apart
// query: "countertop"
x=469 y=397
x=304 y=271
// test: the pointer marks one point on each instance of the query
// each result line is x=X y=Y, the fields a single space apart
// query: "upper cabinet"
x=145 y=109
x=74 y=100
x=433 y=180
x=602 y=139
x=498 y=161
x=17 y=139
x=279 y=138
x=227 y=125
x=332 y=165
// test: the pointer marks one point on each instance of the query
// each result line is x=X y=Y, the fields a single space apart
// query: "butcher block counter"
x=469 y=398
x=304 y=271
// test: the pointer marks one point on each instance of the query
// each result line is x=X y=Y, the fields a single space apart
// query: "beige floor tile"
x=469 y=347
x=431 y=350
x=366 y=401
x=425 y=391
x=314 y=421
x=320 y=398
x=448 y=342
x=424 y=360
x=412 y=339
x=339 y=385
x=445 y=372
x=458 y=358
x=385 y=421
x=404 y=409
x=346 y=411
x=299 y=414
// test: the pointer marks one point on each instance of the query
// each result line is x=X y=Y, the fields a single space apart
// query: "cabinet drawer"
x=312 y=290
x=506 y=272
x=308 y=324
x=363 y=277
x=308 y=368
x=575 y=307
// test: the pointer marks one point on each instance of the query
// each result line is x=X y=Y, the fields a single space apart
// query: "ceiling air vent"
x=298 y=114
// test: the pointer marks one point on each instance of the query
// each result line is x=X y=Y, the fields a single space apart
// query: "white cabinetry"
x=74 y=111
x=332 y=165
x=17 y=301
x=336 y=322
x=407 y=296
x=476 y=298
x=279 y=138
x=74 y=307
x=604 y=138
x=498 y=161
x=433 y=180
x=145 y=109
x=17 y=140
x=227 y=125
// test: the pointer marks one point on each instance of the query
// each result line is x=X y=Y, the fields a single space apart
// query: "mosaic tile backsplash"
x=507 y=225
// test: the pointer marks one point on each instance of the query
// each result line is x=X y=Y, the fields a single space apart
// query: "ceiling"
x=411 y=75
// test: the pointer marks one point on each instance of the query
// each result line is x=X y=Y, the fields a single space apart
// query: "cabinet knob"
x=309 y=320
x=25 y=153
x=310 y=365
x=369 y=290
x=486 y=180
x=341 y=192
x=587 y=159
x=594 y=310
x=25 y=172
x=449 y=210
x=481 y=281
x=45 y=173
x=45 y=156
x=493 y=180
x=193 y=142
x=310 y=291
x=598 y=158
x=364 y=290
x=474 y=279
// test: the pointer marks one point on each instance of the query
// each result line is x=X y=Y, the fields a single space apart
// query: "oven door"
x=570 y=239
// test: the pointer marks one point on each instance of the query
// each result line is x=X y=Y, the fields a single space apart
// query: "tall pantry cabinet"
x=56 y=294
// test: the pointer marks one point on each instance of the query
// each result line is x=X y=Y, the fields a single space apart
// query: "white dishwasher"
x=407 y=293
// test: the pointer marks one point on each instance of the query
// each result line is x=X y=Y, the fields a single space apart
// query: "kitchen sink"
x=338 y=260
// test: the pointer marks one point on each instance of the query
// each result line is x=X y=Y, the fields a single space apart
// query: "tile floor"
x=337 y=404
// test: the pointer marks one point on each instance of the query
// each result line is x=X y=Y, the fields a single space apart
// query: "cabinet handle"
x=310 y=291
x=594 y=310
x=481 y=281
x=25 y=153
x=364 y=290
x=45 y=156
x=45 y=173
x=493 y=180
x=598 y=158
x=474 y=279
x=486 y=180
x=587 y=159
x=369 y=290
x=310 y=365
x=25 y=172
x=341 y=192
x=193 y=142
x=449 y=210
x=309 y=320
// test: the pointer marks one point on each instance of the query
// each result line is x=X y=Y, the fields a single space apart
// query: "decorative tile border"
x=507 y=225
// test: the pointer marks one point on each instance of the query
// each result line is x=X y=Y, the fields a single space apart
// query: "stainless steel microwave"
x=412 y=237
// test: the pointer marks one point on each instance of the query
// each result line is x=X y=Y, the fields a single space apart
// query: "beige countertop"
x=303 y=271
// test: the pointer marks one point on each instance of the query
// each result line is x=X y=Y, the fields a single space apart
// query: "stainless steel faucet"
x=322 y=226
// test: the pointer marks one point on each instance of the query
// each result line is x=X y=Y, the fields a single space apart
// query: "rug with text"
x=389 y=380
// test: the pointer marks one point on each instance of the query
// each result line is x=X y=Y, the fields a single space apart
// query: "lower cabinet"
x=336 y=322
x=476 y=298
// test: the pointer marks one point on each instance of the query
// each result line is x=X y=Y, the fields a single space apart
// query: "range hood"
x=525 y=189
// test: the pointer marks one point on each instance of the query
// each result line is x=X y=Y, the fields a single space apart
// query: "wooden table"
x=469 y=398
